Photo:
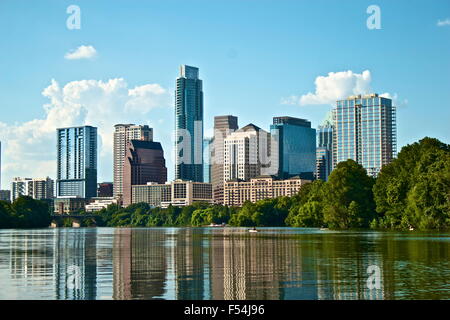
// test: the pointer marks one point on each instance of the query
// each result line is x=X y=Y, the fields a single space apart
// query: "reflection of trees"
x=223 y=263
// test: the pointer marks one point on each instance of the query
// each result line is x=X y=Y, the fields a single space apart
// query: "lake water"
x=223 y=263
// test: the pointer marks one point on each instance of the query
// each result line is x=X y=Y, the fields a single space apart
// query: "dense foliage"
x=24 y=212
x=412 y=191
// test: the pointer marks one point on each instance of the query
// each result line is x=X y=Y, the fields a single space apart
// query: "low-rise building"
x=97 y=204
x=69 y=205
x=236 y=192
x=5 y=195
x=175 y=193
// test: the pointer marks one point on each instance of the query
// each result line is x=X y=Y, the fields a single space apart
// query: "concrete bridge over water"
x=58 y=219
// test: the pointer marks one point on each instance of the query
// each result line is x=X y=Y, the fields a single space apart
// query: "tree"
x=414 y=190
x=30 y=213
x=348 y=198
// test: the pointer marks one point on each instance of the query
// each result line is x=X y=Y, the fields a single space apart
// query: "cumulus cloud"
x=443 y=23
x=339 y=85
x=82 y=52
x=335 y=86
x=29 y=148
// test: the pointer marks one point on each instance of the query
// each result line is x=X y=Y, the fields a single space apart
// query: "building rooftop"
x=291 y=120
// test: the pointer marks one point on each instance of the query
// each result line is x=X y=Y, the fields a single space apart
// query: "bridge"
x=57 y=219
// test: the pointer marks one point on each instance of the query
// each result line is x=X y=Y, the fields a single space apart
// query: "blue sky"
x=252 y=56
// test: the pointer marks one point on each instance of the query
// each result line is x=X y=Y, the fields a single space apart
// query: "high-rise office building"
x=39 y=189
x=189 y=125
x=144 y=162
x=246 y=153
x=365 y=131
x=122 y=134
x=76 y=162
x=296 y=147
x=207 y=143
x=324 y=150
x=223 y=127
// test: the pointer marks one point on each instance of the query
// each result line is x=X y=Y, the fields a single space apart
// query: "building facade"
x=207 y=147
x=105 y=189
x=246 y=153
x=175 y=193
x=99 y=203
x=38 y=189
x=365 y=131
x=144 y=162
x=123 y=133
x=69 y=205
x=223 y=127
x=189 y=125
x=324 y=151
x=5 y=195
x=76 y=162
x=296 y=142
x=237 y=192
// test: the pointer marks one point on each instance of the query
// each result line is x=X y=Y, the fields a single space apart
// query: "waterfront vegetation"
x=412 y=191
x=24 y=212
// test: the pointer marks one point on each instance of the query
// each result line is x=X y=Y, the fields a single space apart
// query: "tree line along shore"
x=413 y=191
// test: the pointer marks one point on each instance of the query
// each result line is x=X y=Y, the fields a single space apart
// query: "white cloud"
x=337 y=85
x=442 y=23
x=82 y=52
x=29 y=148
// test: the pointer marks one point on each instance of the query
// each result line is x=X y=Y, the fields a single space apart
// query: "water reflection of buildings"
x=61 y=264
x=222 y=263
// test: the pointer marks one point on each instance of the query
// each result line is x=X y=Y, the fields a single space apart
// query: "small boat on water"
x=252 y=230
x=217 y=225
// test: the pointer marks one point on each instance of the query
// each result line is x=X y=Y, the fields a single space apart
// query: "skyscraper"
x=296 y=147
x=246 y=153
x=324 y=150
x=122 y=134
x=76 y=162
x=223 y=127
x=207 y=142
x=38 y=189
x=144 y=162
x=365 y=131
x=189 y=125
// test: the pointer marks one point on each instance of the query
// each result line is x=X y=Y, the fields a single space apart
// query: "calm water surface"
x=221 y=263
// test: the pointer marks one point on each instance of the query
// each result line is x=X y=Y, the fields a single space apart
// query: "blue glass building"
x=365 y=131
x=77 y=162
x=207 y=142
x=324 y=151
x=189 y=125
x=296 y=147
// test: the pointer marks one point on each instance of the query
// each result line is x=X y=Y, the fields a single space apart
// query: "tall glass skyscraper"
x=296 y=147
x=207 y=143
x=189 y=125
x=365 y=131
x=324 y=151
x=77 y=162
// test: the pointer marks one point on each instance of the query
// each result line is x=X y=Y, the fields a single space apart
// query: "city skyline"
x=126 y=83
